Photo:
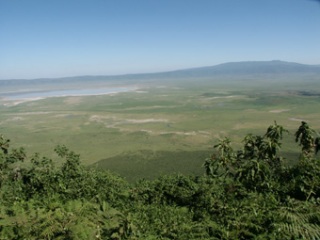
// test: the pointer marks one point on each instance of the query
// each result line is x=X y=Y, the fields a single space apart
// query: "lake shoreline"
x=15 y=98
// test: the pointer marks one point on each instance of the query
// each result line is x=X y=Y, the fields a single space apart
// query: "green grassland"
x=167 y=127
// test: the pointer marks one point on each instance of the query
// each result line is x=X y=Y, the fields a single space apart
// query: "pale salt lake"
x=34 y=95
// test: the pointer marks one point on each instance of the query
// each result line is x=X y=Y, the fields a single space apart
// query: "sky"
x=59 y=38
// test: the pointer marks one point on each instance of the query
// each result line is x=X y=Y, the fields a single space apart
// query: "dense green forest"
x=247 y=193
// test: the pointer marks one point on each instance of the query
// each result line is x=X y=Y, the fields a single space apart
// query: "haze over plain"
x=70 y=38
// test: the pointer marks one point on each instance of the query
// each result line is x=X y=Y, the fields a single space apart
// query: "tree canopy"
x=243 y=194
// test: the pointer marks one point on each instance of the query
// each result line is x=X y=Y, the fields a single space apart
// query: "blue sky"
x=56 y=38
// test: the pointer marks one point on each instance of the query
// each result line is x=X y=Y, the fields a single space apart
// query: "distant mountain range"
x=231 y=69
x=248 y=68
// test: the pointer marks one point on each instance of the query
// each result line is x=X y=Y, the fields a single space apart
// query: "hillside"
x=232 y=69
x=251 y=67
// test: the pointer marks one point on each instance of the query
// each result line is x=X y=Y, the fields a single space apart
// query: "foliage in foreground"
x=245 y=194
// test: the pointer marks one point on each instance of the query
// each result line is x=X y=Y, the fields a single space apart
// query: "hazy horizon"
x=51 y=39
x=163 y=72
x=233 y=68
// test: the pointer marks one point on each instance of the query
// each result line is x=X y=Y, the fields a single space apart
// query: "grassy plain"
x=162 y=127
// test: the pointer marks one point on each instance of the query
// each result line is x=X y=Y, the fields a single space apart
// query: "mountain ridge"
x=228 y=68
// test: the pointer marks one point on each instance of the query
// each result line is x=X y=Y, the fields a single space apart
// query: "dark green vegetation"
x=246 y=193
